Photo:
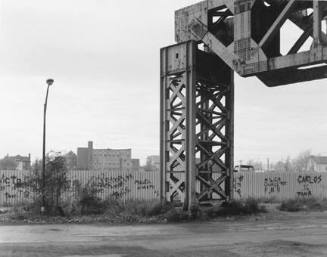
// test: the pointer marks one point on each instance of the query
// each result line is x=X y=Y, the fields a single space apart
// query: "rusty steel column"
x=196 y=125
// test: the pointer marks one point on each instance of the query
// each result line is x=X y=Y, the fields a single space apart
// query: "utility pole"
x=49 y=83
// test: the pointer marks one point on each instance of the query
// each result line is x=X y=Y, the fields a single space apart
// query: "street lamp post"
x=49 y=83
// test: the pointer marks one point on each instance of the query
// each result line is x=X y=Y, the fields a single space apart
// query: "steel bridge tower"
x=214 y=39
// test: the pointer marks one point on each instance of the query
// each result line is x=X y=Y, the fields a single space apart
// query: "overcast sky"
x=104 y=57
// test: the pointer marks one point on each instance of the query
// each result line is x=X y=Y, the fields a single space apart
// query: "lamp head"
x=50 y=82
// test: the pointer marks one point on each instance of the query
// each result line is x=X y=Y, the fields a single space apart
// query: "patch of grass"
x=114 y=210
x=19 y=212
x=91 y=204
x=142 y=208
x=237 y=208
x=135 y=207
x=304 y=204
x=111 y=210
x=292 y=205
x=269 y=200
x=176 y=215
x=234 y=208
x=157 y=208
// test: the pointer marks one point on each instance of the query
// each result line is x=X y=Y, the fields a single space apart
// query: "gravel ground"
x=270 y=235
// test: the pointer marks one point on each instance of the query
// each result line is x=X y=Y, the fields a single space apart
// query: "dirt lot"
x=274 y=234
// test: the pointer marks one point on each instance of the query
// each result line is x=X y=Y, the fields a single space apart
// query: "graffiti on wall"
x=117 y=186
x=306 y=182
x=281 y=185
x=238 y=185
x=146 y=184
x=273 y=185
x=12 y=187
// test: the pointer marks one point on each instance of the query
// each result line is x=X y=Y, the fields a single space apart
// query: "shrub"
x=71 y=207
x=34 y=208
x=236 y=207
x=136 y=207
x=269 y=200
x=25 y=210
x=195 y=212
x=302 y=204
x=292 y=205
x=56 y=183
x=144 y=208
x=176 y=215
x=89 y=202
x=18 y=212
x=113 y=206
x=157 y=208
x=251 y=206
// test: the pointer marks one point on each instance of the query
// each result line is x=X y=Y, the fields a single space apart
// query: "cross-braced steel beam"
x=197 y=89
x=248 y=36
x=197 y=113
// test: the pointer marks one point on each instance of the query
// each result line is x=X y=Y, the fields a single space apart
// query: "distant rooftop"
x=320 y=159
x=90 y=145
x=19 y=158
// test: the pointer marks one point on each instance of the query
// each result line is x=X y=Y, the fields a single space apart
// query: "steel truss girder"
x=197 y=116
x=246 y=35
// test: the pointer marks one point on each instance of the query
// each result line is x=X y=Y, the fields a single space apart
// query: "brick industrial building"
x=89 y=158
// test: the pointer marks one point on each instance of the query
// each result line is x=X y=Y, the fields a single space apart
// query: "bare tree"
x=300 y=163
